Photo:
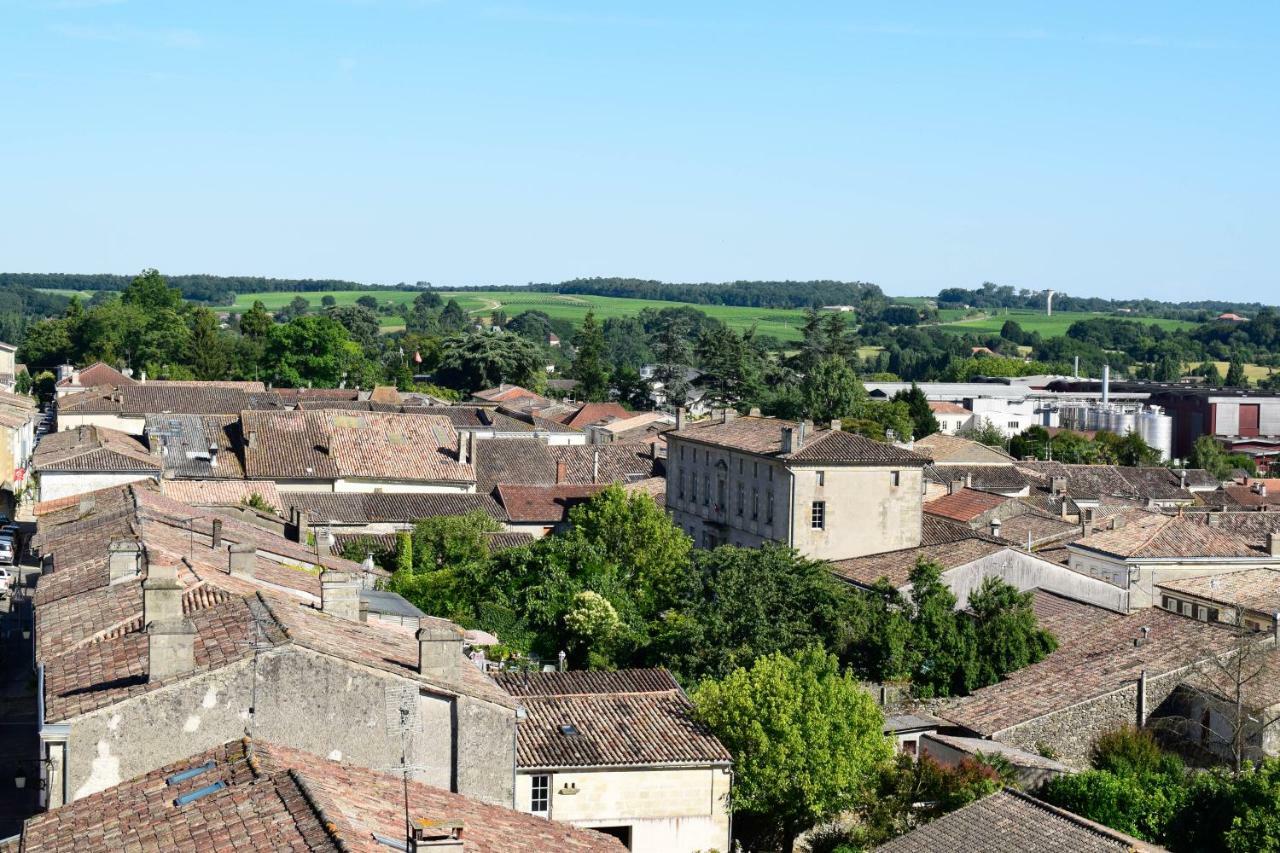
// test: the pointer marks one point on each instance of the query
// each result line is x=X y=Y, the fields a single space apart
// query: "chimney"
x=806 y=430
x=1106 y=384
x=968 y=480
x=171 y=649
x=1182 y=479
x=213 y=455
x=1075 y=369
x=301 y=527
x=161 y=594
x=124 y=561
x=681 y=414
x=562 y=472
x=439 y=649
x=1213 y=519
x=364 y=610
x=1273 y=544
x=464 y=447
x=142 y=378
x=788 y=439
x=955 y=486
x=995 y=528
x=340 y=595
x=248 y=438
x=1058 y=485
x=755 y=412
x=835 y=425
x=728 y=414
x=595 y=466
x=241 y=557
x=216 y=535
x=87 y=504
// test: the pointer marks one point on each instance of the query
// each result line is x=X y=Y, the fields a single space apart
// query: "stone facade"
x=660 y=810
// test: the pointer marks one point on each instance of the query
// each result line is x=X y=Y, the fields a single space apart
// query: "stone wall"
x=306 y=700
x=1069 y=733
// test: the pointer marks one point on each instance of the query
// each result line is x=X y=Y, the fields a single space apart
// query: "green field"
x=1049 y=327
x=83 y=294
x=781 y=323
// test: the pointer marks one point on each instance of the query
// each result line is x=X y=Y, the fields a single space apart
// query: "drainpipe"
x=791 y=509
x=521 y=714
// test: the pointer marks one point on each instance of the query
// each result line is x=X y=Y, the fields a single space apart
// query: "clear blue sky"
x=1099 y=148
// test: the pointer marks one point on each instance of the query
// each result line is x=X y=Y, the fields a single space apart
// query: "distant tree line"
x=215 y=289
x=751 y=294
x=991 y=296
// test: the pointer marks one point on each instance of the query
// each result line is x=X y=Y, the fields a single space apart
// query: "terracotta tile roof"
x=1012 y=822
x=505 y=392
x=990 y=477
x=1251 y=589
x=617 y=462
x=91 y=449
x=379 y=507
x=505 y=541
x=632 y=717
x=764 y=436
x=221 y=492
x=279 y=799
x=964 y=504
x=1093 y=663
x=330 y=445
x=1247 y=496
x=896 y=566
x=1041 y=526
x=518 y=461
x=163 y=398
x=98 y=373
x=1067 y=618
x=544 y=504
x=956 y=450
x=939 y=407
x=594 y=413
x=185 y=441
x=935 y=530
x=1094 y=481
x=1227 y=535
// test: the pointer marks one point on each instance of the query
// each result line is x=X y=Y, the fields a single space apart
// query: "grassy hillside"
x=1049 y=327
x=783 y=324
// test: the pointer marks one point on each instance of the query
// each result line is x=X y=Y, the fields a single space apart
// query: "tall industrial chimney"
x=1106 y=384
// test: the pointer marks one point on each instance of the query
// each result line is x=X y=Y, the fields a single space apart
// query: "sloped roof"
x=376 y=507
x=1225 y=535
x=333 y=444
x=185 y=442
x=275 y=798
x=896 y=566
x=1096 y=662
x=221 y=492
x=964 y=504
x=90 y=449
x=956 y=450
x=1251 y=589
x=1011 y=822
x=505 y=392
x=98 y=373
x=764 y=436
x=990 y=477
x=942 y=407
x=544 y=504
x=631 y=717
x=164 y=398
x=592 y=413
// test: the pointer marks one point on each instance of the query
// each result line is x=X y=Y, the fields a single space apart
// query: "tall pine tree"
x=588 y=361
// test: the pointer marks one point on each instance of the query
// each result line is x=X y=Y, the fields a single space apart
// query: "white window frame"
x=818 y=515
x=540 y=791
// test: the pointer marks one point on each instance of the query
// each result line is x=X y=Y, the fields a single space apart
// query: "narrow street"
x=19 y=747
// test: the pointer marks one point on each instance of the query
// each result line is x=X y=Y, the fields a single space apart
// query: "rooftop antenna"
x=399 y=704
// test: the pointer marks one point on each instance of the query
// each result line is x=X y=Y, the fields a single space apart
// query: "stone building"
x=618 y=752
x=829 y=494
x=163 y=630
x=89 y=458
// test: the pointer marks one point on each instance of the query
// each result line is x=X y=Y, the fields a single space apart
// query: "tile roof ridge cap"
x=266 y=605
x=313 y=803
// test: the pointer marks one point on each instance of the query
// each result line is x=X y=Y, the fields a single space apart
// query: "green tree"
x=297 y=307
x=1006 y=633
x=983 y=431
x=674 y=356
x=1235 y=375
x=594 y=624
x=328 y=300
x=731 y=366
x=588 y=361
x=485 y=359
x=453 y=318
x=361 y=323
x=942 y=649
x=257 y=321
x=1212 y=377
x=806 y=740
x=404 y=552
x=1208 y=454
x=922 y=418
x=151 y=292
x=210 y=349
x=831 y=390
x=368 y=301
x=316 y=350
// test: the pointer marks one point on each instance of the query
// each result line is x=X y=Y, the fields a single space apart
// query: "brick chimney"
x=241 y=558
x=171 y=648
x=161 y=593
x=125 y=560
x=561 y=472
x=439 y=649
x=340 y=595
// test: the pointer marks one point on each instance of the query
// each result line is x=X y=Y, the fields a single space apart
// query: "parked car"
x=6 y=582
x=8 y=554
x=14 y=532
